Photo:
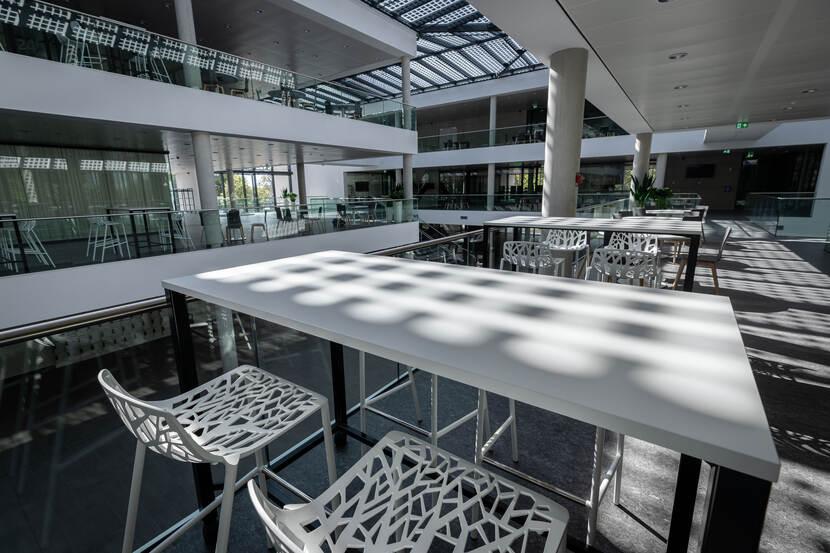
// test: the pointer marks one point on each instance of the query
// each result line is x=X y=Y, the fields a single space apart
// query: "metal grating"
x=456 y=45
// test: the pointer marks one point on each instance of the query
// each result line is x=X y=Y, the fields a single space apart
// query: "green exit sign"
x=741 y=124
x=750 y=155
x=726 y=151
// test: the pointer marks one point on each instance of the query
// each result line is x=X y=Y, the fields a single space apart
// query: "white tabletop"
x=666 y=367
x=650 y=225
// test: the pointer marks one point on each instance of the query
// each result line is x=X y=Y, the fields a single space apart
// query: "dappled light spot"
x=569 y=361
x=447 y=331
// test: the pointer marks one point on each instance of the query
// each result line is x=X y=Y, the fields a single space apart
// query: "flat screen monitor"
x=700 y=171
x=361 y=186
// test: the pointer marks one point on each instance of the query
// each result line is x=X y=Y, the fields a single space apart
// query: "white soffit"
x=731 y=134
x=543 y=27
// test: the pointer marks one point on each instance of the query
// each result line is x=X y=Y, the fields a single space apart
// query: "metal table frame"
x=606 y=227
x=143 y=211
x=735 y=502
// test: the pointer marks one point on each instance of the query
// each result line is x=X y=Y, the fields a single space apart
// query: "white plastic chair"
x=637 y=241
x=406 y=495
x=222 y=421
x=32 y=244
x=527 y=255
x=569 y=242
x=637 y=267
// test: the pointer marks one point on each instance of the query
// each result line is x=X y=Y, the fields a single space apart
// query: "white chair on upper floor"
x=105 y=234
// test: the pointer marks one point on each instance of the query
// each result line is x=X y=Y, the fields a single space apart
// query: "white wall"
x=50 y=88
x=34 y=297
x=324 y=180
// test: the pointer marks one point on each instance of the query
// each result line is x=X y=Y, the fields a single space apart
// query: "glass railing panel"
x=794 y=217
x=46 y=31
x=506 y=202
x=597 y=127
x=29 y=245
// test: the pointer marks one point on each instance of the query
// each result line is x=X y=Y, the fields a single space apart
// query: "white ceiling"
x=747 y=59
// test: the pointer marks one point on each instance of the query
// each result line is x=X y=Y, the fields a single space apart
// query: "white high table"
x=692 y=230
x=662 y=366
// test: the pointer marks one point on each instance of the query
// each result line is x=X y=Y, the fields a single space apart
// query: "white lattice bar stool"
x=406 y=495
x=434 y=433
x=634 y=266
x=222 y=421
x=528 y=255
x=571 y=242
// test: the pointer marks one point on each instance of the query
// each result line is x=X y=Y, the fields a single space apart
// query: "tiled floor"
x=75 y=457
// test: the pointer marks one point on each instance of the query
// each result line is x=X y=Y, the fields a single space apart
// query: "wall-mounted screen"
x=700 y=171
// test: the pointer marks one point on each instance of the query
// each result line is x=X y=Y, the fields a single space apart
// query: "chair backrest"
x=637 y=241
x=527 y=254
x=234 y=219
x=726 y=234
x=566 y=240
x=279 y=213
x=270 y=516
x=628 y=213
x=634 y=265
x=153 y=424
x=695 y=215
x=287 y=215
x=341 y=209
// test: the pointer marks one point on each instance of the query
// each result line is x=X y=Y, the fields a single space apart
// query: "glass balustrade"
x=506 y=202
x=524 y=134
x=46 y=31
x=28 y=245
x=795 y=215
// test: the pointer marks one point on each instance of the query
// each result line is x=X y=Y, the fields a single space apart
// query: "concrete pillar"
x=405 y=98
x=660 y=173
x=301 y=189
x=642 y=153
x=563 y=137
x=231 y=188
x=204 y=169
x=187 y=33
x=491 y=167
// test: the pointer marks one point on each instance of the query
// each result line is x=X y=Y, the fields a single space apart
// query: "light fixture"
x=808 y=91
x=259 y=12
x=681 y=86
x=306 y=31
x=678 y=55
x=788 y=108
x=682 y=106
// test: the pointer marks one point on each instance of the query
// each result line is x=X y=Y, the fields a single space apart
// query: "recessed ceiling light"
x=682 y=106
x=681 y=86
x=808 y=91
x=276 y=43
x=678 y=55
x=259 y=11
x=788 y=108
x=228 y=26
x=306 y=31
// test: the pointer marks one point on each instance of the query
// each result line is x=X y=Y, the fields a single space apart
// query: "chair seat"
x=241 y=411
x=406 y=495
x=702 y=257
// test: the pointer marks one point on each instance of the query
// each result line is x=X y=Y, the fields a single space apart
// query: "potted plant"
x=292 y=197
x=661 y=197
x=641 y=192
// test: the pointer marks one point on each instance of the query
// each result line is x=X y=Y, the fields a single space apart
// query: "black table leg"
x=135 y=236
x=606 y=238
x=189 y=379
x=691 y=263
x=338 y=384
x=170 y=226
x=487 y=263
x=736 y=505
x=685 y=495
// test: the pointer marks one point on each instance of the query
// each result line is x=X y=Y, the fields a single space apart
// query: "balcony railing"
x=507 y=202
x=790 y=214
x=593 y=127
x=28 y=245
x=55 y=33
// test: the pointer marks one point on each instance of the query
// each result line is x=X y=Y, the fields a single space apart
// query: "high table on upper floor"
x=663 y=366
x=692 y=230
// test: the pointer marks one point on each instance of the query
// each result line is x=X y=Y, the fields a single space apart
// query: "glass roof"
x=456 y=45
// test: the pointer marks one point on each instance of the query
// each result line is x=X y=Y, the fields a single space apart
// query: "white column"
x=231 y=188
x=491 y=167
x=660 y=172
x=642 y=153
x=563 y=137
x=301 y=189
x=204 y=169
x=405 y=98
x=187 y=33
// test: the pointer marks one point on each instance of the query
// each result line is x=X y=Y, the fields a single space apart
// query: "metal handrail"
x=69 y=322
x=428 y=243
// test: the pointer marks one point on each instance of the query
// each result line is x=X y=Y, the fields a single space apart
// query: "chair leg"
x=618 y=475
x=715 y=278
x=596 y=479
x=480 y=414
x=433 y=419
x=226 y=509
x=135 y=491
x=328 y=442
x=259 y=455
x=414 y=389
x=361 y=363
x=679 y=273
x=514 y=435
